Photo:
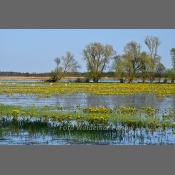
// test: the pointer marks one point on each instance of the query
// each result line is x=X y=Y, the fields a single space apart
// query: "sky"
x=34 y=50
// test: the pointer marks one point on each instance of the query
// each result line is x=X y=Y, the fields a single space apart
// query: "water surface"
x=11 y=135
x=44 y=136
x=71 y=101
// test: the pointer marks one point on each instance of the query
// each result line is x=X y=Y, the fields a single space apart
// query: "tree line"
x=132 y=64
x=48 y=74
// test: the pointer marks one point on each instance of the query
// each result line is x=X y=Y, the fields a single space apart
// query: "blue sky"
x=33 y=50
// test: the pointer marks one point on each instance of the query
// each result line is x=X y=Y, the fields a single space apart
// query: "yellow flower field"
x=92 y=88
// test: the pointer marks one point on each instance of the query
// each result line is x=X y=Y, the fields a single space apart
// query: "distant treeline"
x=68 y=74
x=47 y=74
x=26 y=74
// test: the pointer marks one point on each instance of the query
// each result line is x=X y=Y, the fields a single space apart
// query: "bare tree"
x=173 y=63
x=173 y=57
x=152 y=42
x=64 y=64
x=57 y=61
x=97 y=57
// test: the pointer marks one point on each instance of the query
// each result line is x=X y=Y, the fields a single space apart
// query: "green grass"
x=122 y=116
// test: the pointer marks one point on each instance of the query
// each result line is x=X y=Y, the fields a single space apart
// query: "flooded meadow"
x=82 y=113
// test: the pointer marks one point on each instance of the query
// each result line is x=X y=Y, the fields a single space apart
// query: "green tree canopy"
x=97 y=57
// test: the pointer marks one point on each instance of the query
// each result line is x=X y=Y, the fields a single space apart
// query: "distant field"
x=22 y=78
x=30 y=78
x=25 y=78
x=43 y=78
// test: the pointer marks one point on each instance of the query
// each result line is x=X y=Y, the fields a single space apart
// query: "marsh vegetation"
x=94 y=113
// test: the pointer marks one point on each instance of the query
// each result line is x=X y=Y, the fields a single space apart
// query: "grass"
x=91 y=88
x=93 y=116
x=81 y=136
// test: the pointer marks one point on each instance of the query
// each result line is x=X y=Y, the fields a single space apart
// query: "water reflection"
x=11 y=133
x=87 y=100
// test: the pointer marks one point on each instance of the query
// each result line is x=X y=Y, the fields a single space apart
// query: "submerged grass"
x=91 y=88
x=95 y=117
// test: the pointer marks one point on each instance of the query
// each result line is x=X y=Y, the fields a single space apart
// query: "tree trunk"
x=160 y=78
x=130 y=80
x=95 y=79
x=121 y=80
x=151 y=79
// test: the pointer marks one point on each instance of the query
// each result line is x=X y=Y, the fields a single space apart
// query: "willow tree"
x=146 y=66
x=121 y=67
x=127 y=68
x=132 y=59
x=97 y=57
x=170 y=74
x=64 y=64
